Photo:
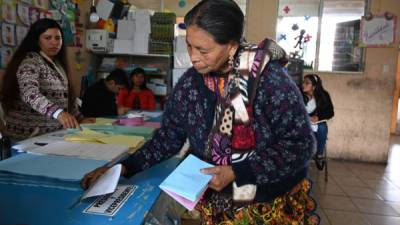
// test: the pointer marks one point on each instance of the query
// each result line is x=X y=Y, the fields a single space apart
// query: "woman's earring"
x=230 y=62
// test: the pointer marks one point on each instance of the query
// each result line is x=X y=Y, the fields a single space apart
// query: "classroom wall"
x=360 y=129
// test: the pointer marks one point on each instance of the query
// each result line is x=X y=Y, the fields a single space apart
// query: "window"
x=323 y=33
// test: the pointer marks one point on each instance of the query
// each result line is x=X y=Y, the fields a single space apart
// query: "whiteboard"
x=378 y=31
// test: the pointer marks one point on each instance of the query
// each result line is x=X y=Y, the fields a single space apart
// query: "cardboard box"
x=142 y=21
x=97 y=40
x=125 y=29
x=123 y=46
x=141 y=43
x=180 y=44
x=182 y=60
x=176 y=75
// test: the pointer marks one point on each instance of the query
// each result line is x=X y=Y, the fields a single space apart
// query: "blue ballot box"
x=39 y=205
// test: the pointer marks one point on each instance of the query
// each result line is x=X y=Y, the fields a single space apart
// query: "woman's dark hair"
x=137 y=71
x=319 y=91
x=223 y=19
x=10 y=89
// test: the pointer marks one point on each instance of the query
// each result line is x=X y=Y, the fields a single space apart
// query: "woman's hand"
x=68 y=120
x=314 y=119
x=222 y=176
x=123 y=110
x=91 y=177
x=88 y=120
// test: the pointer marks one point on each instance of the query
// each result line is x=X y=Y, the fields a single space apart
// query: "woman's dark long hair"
x=10 y=92
x=320 y=94
x=223 y=19
x=137 y=71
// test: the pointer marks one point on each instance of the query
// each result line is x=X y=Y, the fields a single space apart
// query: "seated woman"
x=320 y=109
x=139 y=97
x=36 y=94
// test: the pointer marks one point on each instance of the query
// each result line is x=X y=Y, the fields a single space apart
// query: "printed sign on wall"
x=378 y=31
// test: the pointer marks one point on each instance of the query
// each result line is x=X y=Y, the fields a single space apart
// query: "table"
x=31 y=205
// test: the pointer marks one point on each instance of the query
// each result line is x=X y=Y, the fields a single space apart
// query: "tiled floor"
x=358 y=193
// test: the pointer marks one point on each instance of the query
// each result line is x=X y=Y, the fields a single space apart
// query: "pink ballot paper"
x=186 y=184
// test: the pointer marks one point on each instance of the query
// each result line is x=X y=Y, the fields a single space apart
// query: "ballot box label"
x=108 y=205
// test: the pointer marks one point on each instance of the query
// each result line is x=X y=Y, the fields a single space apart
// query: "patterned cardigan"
x=43 y=90
x=284 y=140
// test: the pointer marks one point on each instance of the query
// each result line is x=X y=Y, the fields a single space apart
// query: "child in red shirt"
x=139 y=97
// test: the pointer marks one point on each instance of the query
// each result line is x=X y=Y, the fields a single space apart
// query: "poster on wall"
x=5 y=56
x=37 y=13
x=378 y=31
x=21 y=32
x=8 y=34
x=23 y=13
x=8 y=11
x=34 y=14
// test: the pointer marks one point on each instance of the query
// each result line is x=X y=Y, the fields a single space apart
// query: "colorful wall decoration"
x=18 y=15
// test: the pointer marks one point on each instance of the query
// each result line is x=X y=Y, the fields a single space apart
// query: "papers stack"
x=143 y=131
x=186 y=184
x=46 y=170
x=104 y=121
x=91 y=136
x=104 y=152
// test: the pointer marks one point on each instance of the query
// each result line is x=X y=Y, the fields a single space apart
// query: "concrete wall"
x=360 y=129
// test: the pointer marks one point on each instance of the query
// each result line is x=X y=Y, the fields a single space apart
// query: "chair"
x=324 y=163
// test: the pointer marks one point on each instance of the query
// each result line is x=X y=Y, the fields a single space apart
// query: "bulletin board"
x=17 y=15
x=378 y=31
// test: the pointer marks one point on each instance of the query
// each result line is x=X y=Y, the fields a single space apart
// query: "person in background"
x=100 y=98
x=242 y=113
x=320 y=109
x=36 y=95
x=139 y=97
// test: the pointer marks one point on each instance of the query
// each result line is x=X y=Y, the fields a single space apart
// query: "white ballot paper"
x=105 y=184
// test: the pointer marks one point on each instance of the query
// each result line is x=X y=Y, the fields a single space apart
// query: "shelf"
x=159 y=65
x=127 y=54
x=147 y=73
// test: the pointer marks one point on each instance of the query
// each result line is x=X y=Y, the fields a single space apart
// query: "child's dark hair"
x=119 y=77
x=137 y=71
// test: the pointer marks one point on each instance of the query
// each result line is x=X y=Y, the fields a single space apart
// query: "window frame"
x=318 y=43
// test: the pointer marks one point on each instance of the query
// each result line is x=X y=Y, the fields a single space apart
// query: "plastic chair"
x=324 y=163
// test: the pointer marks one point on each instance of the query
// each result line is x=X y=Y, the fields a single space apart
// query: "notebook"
x=186 y=184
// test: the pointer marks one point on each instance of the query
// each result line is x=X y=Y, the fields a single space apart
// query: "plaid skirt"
x=296 y=207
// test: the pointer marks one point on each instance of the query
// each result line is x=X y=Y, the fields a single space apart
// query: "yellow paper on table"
x=86 y=136
x=104 y=121
x=130 y=141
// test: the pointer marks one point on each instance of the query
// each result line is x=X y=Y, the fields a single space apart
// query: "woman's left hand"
x=222 y=176
x=314 y=119
x=88 y=120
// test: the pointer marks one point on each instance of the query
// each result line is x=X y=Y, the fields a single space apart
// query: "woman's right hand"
x=123 y=110
x=68 y=120
x=91 y=177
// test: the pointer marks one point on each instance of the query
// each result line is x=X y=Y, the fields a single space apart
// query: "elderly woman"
x=35 y=94
x=242 y=113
